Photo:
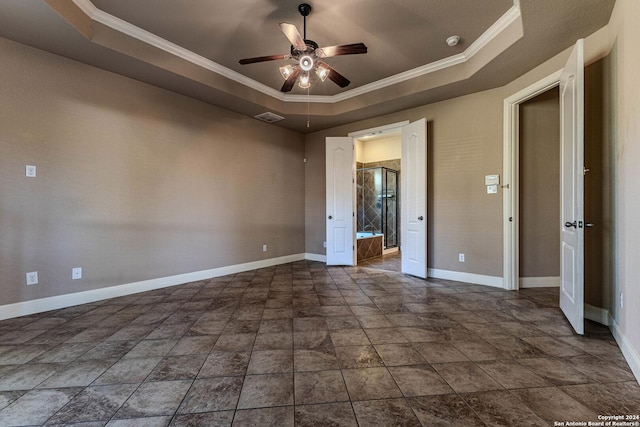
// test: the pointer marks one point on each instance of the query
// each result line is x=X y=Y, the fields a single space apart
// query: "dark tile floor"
x=303 y=344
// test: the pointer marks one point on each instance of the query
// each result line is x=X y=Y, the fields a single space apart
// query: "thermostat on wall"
x=492 y=179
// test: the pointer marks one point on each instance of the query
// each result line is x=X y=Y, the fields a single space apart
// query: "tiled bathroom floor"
x=390 y=262
x=310 y=345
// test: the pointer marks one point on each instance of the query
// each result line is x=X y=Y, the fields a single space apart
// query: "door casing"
x=510 y=188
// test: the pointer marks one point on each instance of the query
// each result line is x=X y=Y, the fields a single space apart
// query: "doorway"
x=378 y=197
x=539 y=190
x=341 y=184
x=511 y=236
x=571 y=88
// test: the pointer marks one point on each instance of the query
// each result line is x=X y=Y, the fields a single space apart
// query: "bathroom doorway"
x=341 y=197
x=378 y=169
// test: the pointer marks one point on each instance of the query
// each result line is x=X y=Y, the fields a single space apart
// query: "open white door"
x=413 y=187
x=572 y=189
x=340 y=201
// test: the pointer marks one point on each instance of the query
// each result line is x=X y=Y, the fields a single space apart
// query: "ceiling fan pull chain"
x=308 y=107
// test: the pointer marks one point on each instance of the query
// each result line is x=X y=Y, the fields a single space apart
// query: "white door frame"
x=379 y=130
x=510 y=193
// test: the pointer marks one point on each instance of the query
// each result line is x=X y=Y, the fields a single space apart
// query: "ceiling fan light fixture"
x=304 y=82
x=286 y=71
x=322 y=72
x=306 y=63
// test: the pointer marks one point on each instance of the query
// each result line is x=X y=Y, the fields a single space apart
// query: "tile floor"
x=390 y=262
x=303 y=344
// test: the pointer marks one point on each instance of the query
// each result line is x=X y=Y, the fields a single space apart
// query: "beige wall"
x=539 y=186
x=377 y=150
x=622 y=135
x=133 y=182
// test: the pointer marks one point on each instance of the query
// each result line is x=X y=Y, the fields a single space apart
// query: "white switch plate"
x=32 y=278
x=492 y=189
x=264 y=248
x=491 y=179
x=461 y=257
x=30 y=171
x=324 y=244
x=76 y=273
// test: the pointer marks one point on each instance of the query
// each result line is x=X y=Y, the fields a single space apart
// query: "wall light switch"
x=492 y=189
x=30 y=171
x=76 y=273
x=492 y=179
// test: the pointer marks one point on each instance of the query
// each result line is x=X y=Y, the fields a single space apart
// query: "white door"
x=572 y=189
x=413 y=190
x=340 y=216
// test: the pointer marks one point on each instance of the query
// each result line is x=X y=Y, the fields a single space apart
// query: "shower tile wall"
x=391 y=164
x=368 y=210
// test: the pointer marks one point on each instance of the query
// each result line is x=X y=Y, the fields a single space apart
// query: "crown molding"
x=122 y=26
x=145 y=36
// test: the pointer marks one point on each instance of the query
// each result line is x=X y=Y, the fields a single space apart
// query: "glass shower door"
x=390 y=208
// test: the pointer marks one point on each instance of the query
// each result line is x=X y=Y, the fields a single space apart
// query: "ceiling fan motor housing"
x=304 y=9
x=311 y=46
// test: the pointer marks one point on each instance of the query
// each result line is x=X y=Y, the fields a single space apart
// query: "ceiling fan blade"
x=344 y=49
x=335 y=76
x=292 y=33
x=291 y=80
x=263 y=59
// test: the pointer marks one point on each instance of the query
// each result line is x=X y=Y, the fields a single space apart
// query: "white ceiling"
x=193 y=46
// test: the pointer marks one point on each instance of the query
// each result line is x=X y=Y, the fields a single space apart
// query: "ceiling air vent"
x=269 y=117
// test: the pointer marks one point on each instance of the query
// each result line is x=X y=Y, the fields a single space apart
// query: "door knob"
x=588 y=224
x=420 y=218
x=330 y=217
x=570 y=224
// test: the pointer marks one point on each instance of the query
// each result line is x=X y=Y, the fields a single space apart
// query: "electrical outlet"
x=621 y=300
x=32 y=278
x=324 y=244
x=30 y=171
x=76 y=273
x=461 y=257
x=264 y=248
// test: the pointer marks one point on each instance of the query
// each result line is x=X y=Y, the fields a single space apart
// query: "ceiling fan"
x=308 y=56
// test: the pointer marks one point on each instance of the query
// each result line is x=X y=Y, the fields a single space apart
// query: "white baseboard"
x=477 y=279
x=315 y=257
x=596 y=314
x=539 y=282
x=630 y=354
x=68 y=300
